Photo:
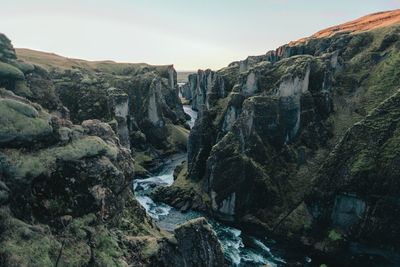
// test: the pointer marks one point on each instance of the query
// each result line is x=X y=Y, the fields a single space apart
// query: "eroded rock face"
x=26 y=79
x=256 y=152
x=249 y=128
x=73 y=172
x=66 y=189
x=119 y=104
x=142 y=103
x=139 y=101
x=355 y=193
x=197 y=244
x=203 y=89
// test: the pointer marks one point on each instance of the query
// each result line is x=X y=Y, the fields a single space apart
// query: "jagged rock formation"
x=355 y=194
x=267 y=124
x=66 y=199
x=197 y=245
x=25 y=79
x=203 y=88
x=139 y=101
x=66 y=189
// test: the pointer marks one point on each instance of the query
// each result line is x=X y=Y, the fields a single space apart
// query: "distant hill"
x=51 y=60
x=366 y=23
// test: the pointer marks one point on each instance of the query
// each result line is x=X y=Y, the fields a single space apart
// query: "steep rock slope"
x=66 y=198
x=25 y=79
x=139 y=101
x=355 y=195
x=268 y=123
x=66 y=189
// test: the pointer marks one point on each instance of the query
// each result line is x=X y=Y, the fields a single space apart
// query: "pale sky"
x=189 y=34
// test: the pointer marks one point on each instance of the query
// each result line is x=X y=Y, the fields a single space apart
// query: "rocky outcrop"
x=203 y=89
x=252 y=124
x=355 y=192
x=197 y=244
x=26 y=79
x=119 y=105
x=256 y=151
x=54 y=175
x=139 y=101
x=183 y=196
x=352 y=207
x=66 y=199
x=66 y=189
x=151 y=104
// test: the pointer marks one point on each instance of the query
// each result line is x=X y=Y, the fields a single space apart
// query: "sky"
x=191 y=34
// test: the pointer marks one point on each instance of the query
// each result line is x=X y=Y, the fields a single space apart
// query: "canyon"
x=290 y=158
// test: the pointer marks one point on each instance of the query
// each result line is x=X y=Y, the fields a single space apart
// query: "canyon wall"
x=289 y=143
x=66 y=195
x=139 y=101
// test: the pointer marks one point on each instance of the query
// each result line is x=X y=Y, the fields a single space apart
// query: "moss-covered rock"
x=356 y=188
x=257 y=150
x=8 y=71
x=137 y=98
x=81 y=90
x=67 y=201
x=189 y=237
x=21 y=123
x=26 y=245
x=7 y=52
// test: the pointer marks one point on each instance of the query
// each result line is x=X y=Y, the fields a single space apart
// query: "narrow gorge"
x=290 y=158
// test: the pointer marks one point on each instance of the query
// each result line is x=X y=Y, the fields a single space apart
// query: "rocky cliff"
x=268 y=123
x=66 y=187
x=139 y=101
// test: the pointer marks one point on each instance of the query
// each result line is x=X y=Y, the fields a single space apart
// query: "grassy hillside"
x=51 y=60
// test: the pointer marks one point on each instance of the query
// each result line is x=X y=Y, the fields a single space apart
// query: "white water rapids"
x=254 y=253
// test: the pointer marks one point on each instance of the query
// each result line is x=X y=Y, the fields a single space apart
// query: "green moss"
x=86 y=147
x=142 y=158
x=221 y=108
x=22 y=89
x=300 y=219
x=23 y=66
x=134 y=221
x=24 y=245
x=151 y=248
x=18 y=107
x=76 y=250
x=334 y=236
x=21 y=122
x=77 y=227
x=391 y=149
x=106 y=251
x=75 y=253
x=44 y=161
x=375 y=77
x=10 y=72
x=362 y=163
x=140 y=170
x=187 y=185
x=230 y=75
x=178 y=136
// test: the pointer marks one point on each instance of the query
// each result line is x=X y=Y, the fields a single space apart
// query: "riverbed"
x=239 y=249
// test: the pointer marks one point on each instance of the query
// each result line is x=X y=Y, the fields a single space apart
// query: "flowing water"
x=239 y=249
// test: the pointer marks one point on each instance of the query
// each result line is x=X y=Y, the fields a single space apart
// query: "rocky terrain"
x=301 y=143
x=66 y=177
x=139 y=101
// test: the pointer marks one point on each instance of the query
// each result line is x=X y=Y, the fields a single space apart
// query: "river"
x=239 y=249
